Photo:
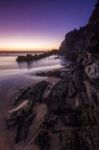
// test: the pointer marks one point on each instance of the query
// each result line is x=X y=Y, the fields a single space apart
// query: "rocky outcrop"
x=85 y=38
x=55 y=73
x=95 y=15
x=32 y=93
x=34 y=57
x=22 y=116
x=70 y=118
x=92 y=70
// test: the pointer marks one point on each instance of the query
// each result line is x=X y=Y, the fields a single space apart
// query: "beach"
x=12 y=79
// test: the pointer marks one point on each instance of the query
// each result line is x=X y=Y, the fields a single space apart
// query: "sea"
x=9 y=65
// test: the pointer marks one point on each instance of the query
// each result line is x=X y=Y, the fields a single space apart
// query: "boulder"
x=92 y=70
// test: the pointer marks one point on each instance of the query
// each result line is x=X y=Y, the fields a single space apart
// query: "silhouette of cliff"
x=84 y=39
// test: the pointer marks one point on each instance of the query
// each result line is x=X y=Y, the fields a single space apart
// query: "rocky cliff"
x=59 y=116
x=86 y=38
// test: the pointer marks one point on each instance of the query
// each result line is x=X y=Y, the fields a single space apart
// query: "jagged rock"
x=21 y=119
x=38 y=91
x=85 y=38
x=22 y=116
x=59 y=93
x=94 y=19
x=47 y=91
x=72 y=110
x=30 y=57
x=22 y=105
x=43 y=140
x=49 y=121
x=56 y=73
x=74 y=125
x=32 y=93
x=22 y=95
x=92 y=70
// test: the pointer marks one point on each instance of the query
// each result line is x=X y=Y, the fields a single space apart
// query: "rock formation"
x=34 y=57
x=84 y=39
x=70 y=118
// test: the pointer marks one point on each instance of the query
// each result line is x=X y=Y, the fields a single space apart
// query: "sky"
x=40 y=24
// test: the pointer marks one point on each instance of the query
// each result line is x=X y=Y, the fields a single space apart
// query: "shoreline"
x=9 y=86
x=33 y=71
x=43 y=99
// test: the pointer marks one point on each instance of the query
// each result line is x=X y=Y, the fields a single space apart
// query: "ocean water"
x=9 y=66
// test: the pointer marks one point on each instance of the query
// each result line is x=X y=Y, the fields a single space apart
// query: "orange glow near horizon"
x=27 y=43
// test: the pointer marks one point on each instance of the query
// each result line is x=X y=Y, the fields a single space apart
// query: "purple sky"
x=40 y=24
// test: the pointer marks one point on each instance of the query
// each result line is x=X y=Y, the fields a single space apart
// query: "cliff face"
x=86 y=38
x=94 y=19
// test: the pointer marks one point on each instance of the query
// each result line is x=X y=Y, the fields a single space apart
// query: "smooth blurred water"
x=9 y=66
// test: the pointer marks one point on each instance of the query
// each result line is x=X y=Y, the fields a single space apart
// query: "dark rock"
x=34 y=93
x=43 y=140
x=72 y=115
x=85 y=38
x=56 y=73
x=30 y=57
x=21 y=120
x=49 y=121
x=72 y=109
x=58 y=94
x=38 y=91
x=92 y=70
